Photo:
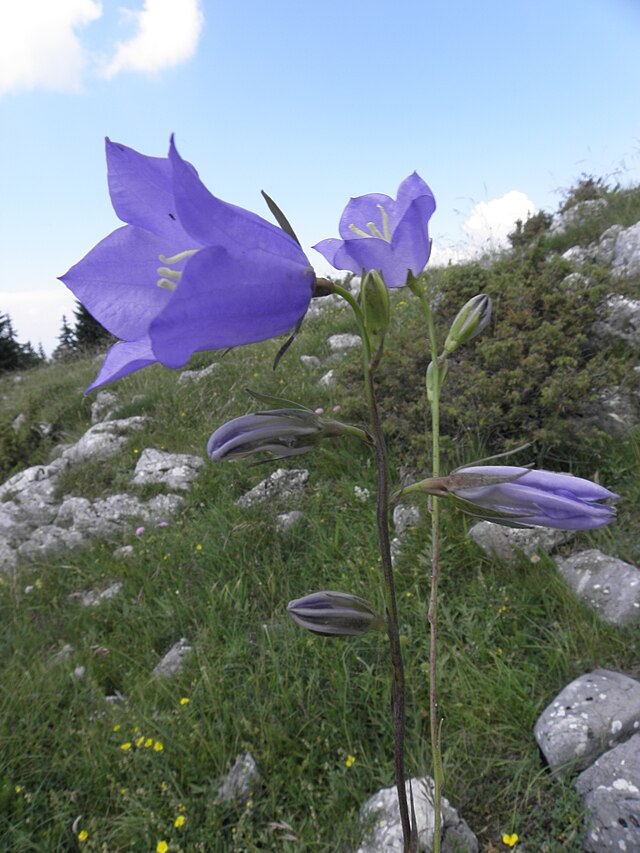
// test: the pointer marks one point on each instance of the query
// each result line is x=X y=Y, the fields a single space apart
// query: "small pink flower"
x=319 y=410
x=163 y=524
x=336 y=408
x=139 y=531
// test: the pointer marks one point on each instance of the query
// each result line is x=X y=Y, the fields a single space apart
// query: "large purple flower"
x=189 y=272
x=508 y=494
x=380 y=233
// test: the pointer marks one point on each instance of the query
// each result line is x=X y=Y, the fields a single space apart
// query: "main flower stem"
x=382 y=521
x=398 y=683
x=434 y=723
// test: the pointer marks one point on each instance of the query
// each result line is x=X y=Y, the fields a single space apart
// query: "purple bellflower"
x=188 y=272
x=521 y=497
x=384 y=234
x=334 y=614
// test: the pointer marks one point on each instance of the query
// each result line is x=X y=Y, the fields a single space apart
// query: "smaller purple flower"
x=521 y=497
x=384 y=234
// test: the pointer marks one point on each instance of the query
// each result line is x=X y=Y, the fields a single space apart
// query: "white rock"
x=172 y=663
x=197 y=375
x=242 y=780
x=338 y=343
x=286 y=520
x=328 y=379
x=175 y=470
x=103 y=406
x=103 y=440
x=310 y=360
x=506 y=542
x=283 y=485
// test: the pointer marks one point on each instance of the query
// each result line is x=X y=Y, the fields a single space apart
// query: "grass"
x=511 y=638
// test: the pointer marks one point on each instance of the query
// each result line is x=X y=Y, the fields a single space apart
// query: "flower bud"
x=375 y=306
x=334 y=614
x=471 y=319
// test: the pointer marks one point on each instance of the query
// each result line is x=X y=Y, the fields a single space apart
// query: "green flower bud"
x=471 y=319
x=375 y=306
x=334 y=614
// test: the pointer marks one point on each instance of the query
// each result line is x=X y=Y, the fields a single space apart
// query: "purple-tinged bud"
x=521 y=497
x=334 y=614
x=471 y=319
x=280 y=432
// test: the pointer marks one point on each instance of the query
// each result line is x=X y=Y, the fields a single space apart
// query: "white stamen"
x=179 y=257
x=169 y=273
x=385 y=223
x=165 y=284
x=374 y=230
x=358 y=231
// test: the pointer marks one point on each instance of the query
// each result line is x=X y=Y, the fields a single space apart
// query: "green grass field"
x=79 y=773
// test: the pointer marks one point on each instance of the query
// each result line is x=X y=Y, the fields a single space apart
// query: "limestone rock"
x=310 y=360
x=591 y=715
x=621 y=319
x=103 y=406
x=506 y=542
x=286 y=520
x=18 y=422
x=405 y=517
x=383 y=834
x=328 y=379
x=197 y=375
x=103 y=440
x=126 y=552
x=49 y=540
x=94 y=597
x=608 y=585
x=283 y=485
x=339 y=343
x=242 y=780
x=172 y=663
x=176 y=470
x=611 y=792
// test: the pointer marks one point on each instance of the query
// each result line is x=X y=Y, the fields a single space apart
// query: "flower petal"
x=362 y=210
x=226 y=300
x=117 y=281
x=211 y=221
x=123 y=358
x=141 y=190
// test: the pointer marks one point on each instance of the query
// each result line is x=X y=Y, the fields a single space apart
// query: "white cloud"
x=39 y=46
x=167 y=34
x=490 y=222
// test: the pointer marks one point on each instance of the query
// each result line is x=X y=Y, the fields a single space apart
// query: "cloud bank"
x=486 y=228
x=41 y=44
x=167 y=34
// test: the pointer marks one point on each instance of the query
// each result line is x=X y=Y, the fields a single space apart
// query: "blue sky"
x=498 y=105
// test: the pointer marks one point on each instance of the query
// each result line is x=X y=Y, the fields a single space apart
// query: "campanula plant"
x=188 y=272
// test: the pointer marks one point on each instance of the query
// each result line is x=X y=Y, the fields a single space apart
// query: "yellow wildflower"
x=126 y=746
x=140 y=741
x=117 y=727
x=510 y=840
x=185 y=700
x=158 y=747
x=162 y=847
x=148 y=742
x=83 y=835
x=350 y=761
x=179 y=821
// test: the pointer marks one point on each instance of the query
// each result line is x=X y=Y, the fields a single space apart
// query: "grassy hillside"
x=220 y=576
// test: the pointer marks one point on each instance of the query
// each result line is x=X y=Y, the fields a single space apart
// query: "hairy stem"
x=434 y=722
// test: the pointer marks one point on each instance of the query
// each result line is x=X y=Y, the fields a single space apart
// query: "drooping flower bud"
x=334 y=614
x=522 y=497
x=375 y=306
x=471 y=319
x=279 y=432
